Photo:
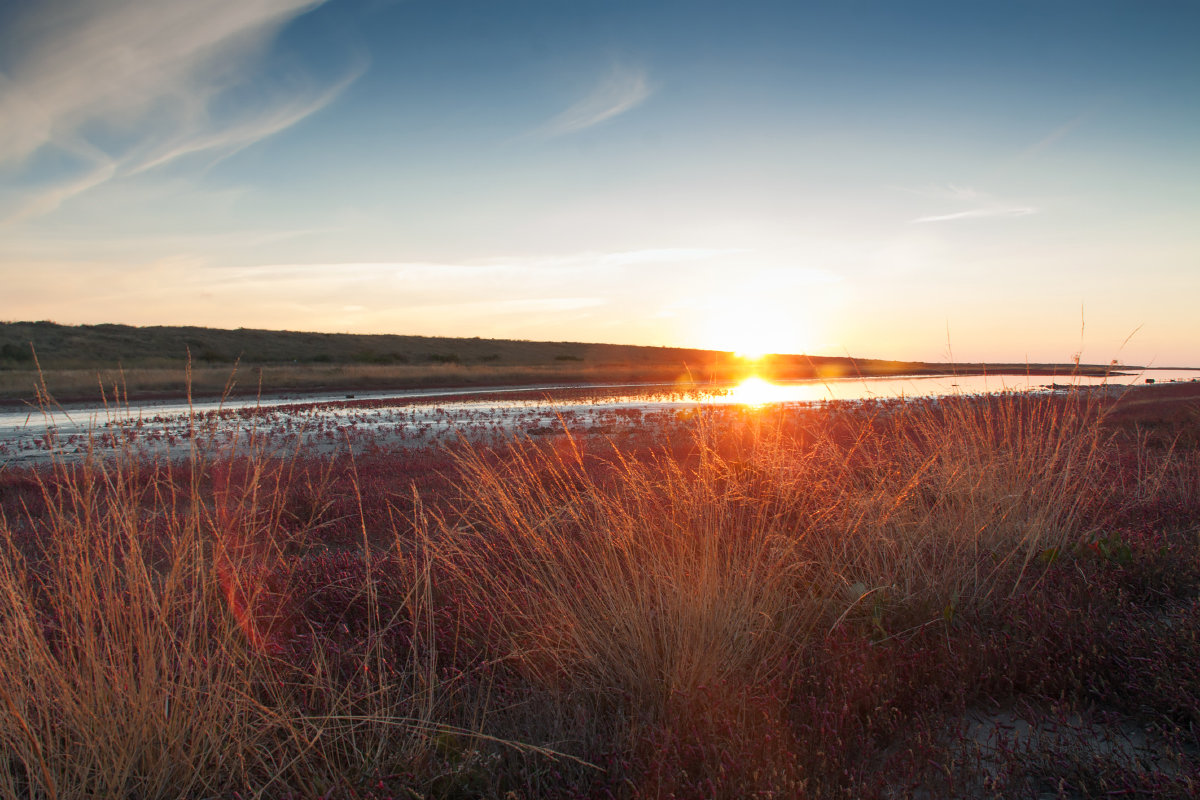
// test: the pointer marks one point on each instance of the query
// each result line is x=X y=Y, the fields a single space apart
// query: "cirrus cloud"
x=622 y=89
x=114 y=88
x=981 y=213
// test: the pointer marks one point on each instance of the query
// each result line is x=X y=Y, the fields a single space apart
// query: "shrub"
x=13 y=352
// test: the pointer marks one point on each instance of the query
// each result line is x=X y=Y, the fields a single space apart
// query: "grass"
x=735 y=603
x=141 y=653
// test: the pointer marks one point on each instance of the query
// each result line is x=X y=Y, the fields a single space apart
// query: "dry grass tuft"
x=656 y=576
x=149 y=651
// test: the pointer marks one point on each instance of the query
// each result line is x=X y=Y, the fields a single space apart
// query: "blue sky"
x=999 y=180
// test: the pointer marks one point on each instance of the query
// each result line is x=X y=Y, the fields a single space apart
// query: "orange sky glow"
x=984 y=181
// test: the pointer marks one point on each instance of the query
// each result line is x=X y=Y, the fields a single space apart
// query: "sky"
x=988 y=180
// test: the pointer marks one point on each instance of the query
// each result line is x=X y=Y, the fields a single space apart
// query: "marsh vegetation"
x=855 y=601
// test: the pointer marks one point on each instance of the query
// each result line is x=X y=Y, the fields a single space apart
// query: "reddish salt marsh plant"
x=638 y=575
x=153 y=647
x=952 y=503
x=645 y=578
x=719 y=603
x=657 y=574
x=1086 y=687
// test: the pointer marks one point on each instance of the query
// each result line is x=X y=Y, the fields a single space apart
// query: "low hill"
x=109 y=346
x=151 y=360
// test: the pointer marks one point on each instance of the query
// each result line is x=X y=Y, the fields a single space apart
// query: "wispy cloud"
x=592 y=259
x=505 y=269
x=127 y=85
x=242 y=133
x=1062 y=131
x=667 y=255
x=980 y=213
x=979 y=204
x=1051 y=138
x=623 y=88
x=527 y=305
x=949 y=191
x=47 y=198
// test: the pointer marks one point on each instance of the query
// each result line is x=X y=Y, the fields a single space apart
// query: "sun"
x=754 y=330
x=752 y=338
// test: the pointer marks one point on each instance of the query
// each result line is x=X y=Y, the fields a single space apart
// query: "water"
x=424 y=417
x=945 y=385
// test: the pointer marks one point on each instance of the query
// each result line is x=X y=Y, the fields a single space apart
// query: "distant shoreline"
x=69 y=387
x=154 y=363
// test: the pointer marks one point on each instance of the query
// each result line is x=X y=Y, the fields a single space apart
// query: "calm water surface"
x=422 y=417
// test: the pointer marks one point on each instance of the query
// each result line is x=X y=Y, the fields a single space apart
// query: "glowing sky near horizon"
x=996 y=180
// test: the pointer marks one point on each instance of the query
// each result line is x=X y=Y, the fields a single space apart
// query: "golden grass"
x=135 y=659
x=653 y=580
x=136 y=632
x=940 y=508
x=653 y=576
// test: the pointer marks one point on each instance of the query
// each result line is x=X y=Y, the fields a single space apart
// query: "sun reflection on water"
x=756 y=392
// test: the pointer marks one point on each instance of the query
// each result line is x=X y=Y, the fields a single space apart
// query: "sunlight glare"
x=755 y=392
x=755 y=325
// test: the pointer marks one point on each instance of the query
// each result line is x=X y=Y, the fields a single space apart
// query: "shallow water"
x=425 y=417
x=946 y=385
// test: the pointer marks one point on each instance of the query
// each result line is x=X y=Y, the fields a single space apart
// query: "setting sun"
x=753 y=326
